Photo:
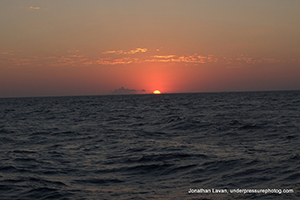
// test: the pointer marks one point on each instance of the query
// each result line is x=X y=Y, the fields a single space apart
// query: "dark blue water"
x=150 y=146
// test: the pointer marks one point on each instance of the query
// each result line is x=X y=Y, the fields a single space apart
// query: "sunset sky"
x=94 y=47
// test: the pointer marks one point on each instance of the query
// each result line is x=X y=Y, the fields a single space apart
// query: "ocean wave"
x=145 y=146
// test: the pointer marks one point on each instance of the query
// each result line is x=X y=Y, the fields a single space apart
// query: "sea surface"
x=168 y=146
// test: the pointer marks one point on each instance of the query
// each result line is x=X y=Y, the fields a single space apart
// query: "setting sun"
x=156 y=92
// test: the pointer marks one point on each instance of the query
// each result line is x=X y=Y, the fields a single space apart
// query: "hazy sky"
x=91 y=47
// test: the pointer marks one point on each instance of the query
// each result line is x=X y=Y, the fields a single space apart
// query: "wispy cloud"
x=137 y=50
x=167 y=56
x=7 y=53
x=73 y=58
x=113 y=52
x=34 y=8
x=118 y=52
x=110 y=61
x=183 y=58
x=242 y=60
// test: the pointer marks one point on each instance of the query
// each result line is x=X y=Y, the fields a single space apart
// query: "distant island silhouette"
x=123 y=90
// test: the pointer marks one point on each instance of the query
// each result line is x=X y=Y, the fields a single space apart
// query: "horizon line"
x=109 y=94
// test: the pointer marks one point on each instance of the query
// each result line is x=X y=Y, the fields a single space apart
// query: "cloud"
x=271 y=60
x=34 y=8
x=110 y=61
x=113 y=52
x=242 y=60
x=168 y=56
x=73 y=58
x=7 y=53
x=137 y=50
x=184 y=58
x=118 y=52
x=239 y=60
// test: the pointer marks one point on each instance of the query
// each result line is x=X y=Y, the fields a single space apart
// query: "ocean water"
x=168 y=146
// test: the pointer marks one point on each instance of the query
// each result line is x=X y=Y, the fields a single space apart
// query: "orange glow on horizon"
x=156 y=92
